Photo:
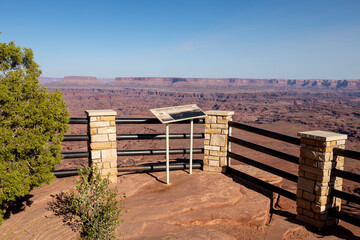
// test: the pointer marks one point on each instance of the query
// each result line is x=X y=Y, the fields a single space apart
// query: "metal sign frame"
x=176 y=114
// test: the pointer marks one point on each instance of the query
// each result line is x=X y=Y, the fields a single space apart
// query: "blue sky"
x=198 y=38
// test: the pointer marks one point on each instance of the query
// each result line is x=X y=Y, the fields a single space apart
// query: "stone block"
x=93 y=131
x=310 y=176
x=223 y=161
x=100 y=145
x=208 y=168
x=210 y=119
x=108 y=155
x=308 y=213
x=105 y=130
x=206 y=142
x=307 y=141
x=112 y=123
x=95 y=154
x=218 y=140
x=94 y=119
x=105 y=112
x=107 y=118
x=213 y=148
x=217 y=153
x=306 y=184
x=315 y=155
x=319 y=135
x=113 y=164
x=305 y=204
x=99 y=124
x=217 y=125
x=310 y=162
x=321 y=200
x=223 y=149
x=319 y=190
x=301 y=173
x=213 y=163
x=112 y=137
x=309 y=196
x=219 y=113
x=316 y=171
x=211 y=130
x=207 y=136
x=99 y=138
x=206 y=152
x=299 y=210
x=222 y=120
x=299 y=193
x=225 y=131
x=325 y=165
x=318 y=208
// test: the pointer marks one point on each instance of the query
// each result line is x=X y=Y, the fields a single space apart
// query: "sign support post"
x=167 y=155
x=191 y=143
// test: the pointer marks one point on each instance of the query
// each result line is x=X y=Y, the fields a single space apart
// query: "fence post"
x=102 y=145
x=216 y=140
x=315 y=181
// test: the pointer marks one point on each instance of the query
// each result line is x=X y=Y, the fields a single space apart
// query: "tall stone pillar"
x=216 y=140
x=102 y=131
x=315 y=181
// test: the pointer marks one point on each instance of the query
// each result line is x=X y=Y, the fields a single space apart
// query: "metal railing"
x=271 y=152
x=344 y=195
x=334 y=172
x=71 y=155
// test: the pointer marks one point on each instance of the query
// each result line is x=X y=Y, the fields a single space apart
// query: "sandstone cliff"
x=236 y=82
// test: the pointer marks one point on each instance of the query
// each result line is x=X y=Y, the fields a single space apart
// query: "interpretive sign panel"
x=178 y=113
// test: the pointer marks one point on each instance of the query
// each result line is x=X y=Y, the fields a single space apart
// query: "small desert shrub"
x=93 y=206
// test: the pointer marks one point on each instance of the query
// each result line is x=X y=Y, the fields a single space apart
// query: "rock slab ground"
x=199 y=206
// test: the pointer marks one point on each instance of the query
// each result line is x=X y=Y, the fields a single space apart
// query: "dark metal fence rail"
x=158 y=152
x=265 y=167
x=284 y=156
x=265 y=133
x=346 y=196
x=151 y=121
x=272 y=152
x=347 y=153
x=79 y=121
x=345 y=174
x=158 y=136
x=73 y=138
x=158 y=168
x=67 y=155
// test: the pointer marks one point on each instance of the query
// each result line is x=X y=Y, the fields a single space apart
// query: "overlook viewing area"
x=231 y=194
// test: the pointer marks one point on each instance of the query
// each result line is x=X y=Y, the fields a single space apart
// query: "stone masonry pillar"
x=216 y=140
x=315 y=181
x=102 y=145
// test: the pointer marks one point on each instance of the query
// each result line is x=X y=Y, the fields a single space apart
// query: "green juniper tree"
x=32 y=124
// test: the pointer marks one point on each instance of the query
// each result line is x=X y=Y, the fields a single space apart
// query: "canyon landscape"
x=284 y=106
x=279 y=105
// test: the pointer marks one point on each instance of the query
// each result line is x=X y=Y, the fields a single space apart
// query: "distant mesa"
x=235 y=82
x=81 y=80
x=177 y=83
